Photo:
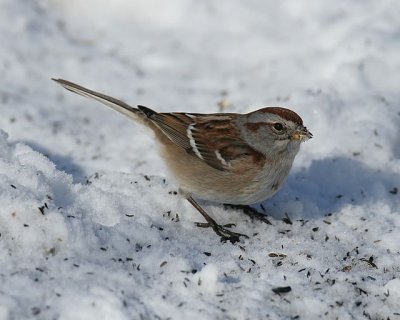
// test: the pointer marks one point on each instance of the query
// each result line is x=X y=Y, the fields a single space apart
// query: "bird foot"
x=249 y=211
x=222 y=231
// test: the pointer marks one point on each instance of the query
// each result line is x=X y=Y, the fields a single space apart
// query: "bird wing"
x=214 y=138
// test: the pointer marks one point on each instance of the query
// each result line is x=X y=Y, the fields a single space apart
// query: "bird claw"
x=210 y=225
x=223 y=232
x=229 y=225
x=249 y=211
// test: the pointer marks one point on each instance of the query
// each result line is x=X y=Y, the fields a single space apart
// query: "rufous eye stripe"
x=254 y=126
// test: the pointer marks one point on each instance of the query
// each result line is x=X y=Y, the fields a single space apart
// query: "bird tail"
x=118 y=105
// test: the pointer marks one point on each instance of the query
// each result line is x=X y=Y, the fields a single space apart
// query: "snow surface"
x=90 y=223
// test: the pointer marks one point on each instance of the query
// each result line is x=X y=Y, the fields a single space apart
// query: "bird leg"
x=249 y=211
x=220 y=230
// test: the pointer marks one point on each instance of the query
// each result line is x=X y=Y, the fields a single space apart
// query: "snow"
x=91 y=226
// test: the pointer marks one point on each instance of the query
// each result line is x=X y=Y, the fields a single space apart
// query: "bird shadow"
x=330 y=184
x=62 y=162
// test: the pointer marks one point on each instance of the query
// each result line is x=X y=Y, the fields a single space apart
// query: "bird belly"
x=199 y=180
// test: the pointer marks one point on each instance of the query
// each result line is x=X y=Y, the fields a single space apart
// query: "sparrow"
x=233 y=158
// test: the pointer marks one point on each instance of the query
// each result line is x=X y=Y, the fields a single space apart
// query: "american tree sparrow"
x=222 y=157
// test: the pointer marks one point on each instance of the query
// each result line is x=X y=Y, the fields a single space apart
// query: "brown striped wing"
x=213 y=138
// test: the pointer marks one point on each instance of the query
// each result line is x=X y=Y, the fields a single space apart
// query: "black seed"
x=41 y=209
x=287 y=219
x=35 y=311
x=280 y=290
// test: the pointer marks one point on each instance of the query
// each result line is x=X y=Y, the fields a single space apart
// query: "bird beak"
x=302 y=134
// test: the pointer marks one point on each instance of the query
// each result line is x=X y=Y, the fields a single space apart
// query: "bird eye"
x=278 y=126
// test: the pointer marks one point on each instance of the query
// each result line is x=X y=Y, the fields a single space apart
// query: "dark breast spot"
x=258 y=158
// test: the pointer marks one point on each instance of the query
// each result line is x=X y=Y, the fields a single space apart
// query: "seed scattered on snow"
x=286 y=219
x=277 y=255
x=280 y=290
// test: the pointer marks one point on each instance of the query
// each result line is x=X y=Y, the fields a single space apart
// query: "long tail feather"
x=111 y=102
